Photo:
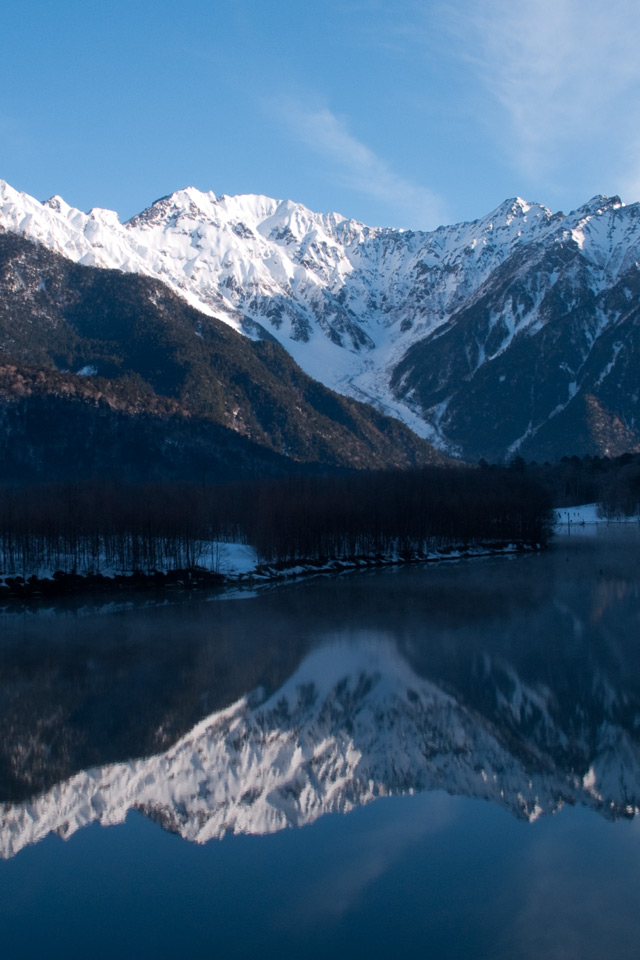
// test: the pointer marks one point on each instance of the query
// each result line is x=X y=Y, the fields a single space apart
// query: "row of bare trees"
x=94 y=526
x=404 y=512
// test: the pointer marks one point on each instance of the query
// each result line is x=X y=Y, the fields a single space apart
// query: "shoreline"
x=588 y=514
x=67 y=584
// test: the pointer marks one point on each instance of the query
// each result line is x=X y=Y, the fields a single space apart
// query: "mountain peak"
x=600 y=204
x=520 y=206
x=517 y=207
x=57 y=203
x=188 y=201
x=107 y=217
x=191 y=195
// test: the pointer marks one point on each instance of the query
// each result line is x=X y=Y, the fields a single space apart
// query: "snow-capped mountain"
x=523 y=311
x=353 y=723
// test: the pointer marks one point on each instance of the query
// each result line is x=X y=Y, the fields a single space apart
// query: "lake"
x=435 y=760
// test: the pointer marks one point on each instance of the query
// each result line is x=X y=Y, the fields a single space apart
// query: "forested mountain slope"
x=105 y=370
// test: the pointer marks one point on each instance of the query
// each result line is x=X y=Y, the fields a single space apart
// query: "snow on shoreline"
x=234 y=563
x=587 y=513
x=225 y=564
x=230 y=560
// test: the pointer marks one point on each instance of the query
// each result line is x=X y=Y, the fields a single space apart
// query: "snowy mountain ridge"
x=355 y=722
x=349 y=301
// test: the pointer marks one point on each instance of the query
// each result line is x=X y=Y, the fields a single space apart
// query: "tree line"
x=403 y=512
x=613 y=482
x=98 y=525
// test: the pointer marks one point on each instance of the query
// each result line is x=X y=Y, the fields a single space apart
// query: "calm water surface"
x=443 y=761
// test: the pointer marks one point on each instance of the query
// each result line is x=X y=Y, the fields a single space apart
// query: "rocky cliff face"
x=542 y=360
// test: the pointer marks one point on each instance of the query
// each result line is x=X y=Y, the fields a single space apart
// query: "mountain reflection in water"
x=511 y=680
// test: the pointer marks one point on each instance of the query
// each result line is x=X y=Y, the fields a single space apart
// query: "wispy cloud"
x=563 y=71
x=357 y=167
x=332 y=891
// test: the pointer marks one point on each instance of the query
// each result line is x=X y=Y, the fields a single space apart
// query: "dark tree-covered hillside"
x=126 y=343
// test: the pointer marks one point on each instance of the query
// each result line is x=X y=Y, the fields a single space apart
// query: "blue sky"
x=394 y=112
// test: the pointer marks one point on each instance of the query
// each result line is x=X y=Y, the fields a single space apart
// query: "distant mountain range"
x=514 y=334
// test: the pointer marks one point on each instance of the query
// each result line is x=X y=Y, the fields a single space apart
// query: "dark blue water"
x=515 y=680
x=428 y=875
